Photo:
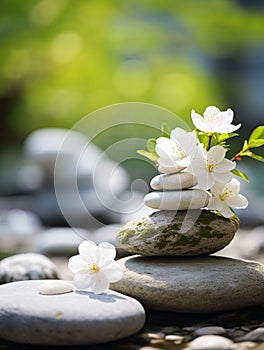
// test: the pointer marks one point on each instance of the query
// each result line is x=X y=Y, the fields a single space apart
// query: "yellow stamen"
x=179 y=150
x=225 y=194
x=94 y=268
x=212 y=118
x=210 y=167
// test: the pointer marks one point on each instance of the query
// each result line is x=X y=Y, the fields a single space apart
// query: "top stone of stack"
x=176 y=192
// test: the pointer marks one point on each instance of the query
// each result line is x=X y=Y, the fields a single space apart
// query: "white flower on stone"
x=215 y=121
x=95 y=267
x=226 y=196
x=211 y=167
x=176 y=153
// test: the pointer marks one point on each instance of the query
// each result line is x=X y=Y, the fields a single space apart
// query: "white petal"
x=216 y=154
x=198 y=121
x=233 y=186
x=224 y=166
x=226 y=211
x=101 y=283
x=228 y=128
x=76 y=263
x=205 y=181
x=165 y=147
x=222 y=177
x=238 y=201
x=214 y=204
x=107 y=251
x=113 y=271
x=178 y=135
x=212 y=118
x=226 y=116
x=184 y=162
x=211 y=110
x=218 y=188
x=84 y=279
x=88 y=251
x=167 y=168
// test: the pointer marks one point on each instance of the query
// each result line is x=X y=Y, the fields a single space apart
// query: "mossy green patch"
x=124 y=235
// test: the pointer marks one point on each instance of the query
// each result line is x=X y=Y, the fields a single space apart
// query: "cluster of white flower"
x=207 y=162
x=94 y=267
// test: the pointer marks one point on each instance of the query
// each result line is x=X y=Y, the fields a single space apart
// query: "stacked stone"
x=175 y=192
x=181 y=227
x=173 y=271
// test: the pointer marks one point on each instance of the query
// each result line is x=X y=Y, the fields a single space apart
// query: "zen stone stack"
x=173 y=271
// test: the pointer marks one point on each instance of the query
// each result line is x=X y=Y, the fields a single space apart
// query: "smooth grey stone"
x=177 y=181
x=60 y=240
x=210 y=330
x=44 y=145
x=28 y=266
x=75 y=318
x=52 y=287
x=177 y=200
x=182 y=233
x=198 y=285
x=255 y=335
x=211 y=342
x=17 y=229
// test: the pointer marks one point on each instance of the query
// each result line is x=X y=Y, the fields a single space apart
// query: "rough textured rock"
x=183 y=233
x=28 y=266
x=201 y=284
x=74 y=318
x=177 y=200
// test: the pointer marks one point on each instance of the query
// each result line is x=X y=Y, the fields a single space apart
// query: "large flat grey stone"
x=75 y=318
x=201 y=284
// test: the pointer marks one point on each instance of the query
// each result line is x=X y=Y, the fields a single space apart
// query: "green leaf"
x=257 y=134
x=255 y=143
x=240 y=174
x=151 y=145
x=203 y=138
x=165 y=130
x=148 y=155
x=254 y=156
x=245 y=147
x=226 y=136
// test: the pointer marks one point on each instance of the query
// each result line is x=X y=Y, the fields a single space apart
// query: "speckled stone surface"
x=75 y=318
x=198 y=285
x=182 y=233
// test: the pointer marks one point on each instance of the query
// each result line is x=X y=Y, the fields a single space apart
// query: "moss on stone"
x=124 y=235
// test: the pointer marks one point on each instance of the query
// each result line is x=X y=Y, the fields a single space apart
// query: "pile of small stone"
x=173 y=271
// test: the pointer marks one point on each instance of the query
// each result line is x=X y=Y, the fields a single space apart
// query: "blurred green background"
x=63 y=59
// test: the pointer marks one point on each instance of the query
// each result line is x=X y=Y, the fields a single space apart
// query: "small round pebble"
x=210 y=330
x=211 y=342
x=55 y=287
x=246 y=345
x=177 y=339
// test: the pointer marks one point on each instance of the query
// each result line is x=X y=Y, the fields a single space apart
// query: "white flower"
x=211 y=167
x=176 y=153
x=95 y=267
x=215 y=121
x=226 y=196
